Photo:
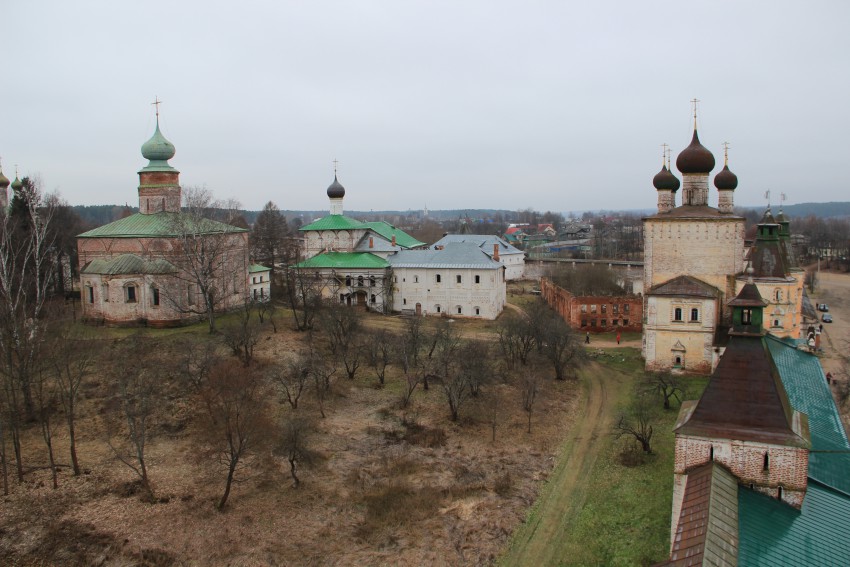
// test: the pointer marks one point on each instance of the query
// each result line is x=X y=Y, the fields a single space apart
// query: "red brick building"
x=595 y=313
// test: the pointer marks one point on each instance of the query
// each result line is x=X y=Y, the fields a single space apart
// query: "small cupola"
x=336 y=192
x=159 y=183
x=748 y=309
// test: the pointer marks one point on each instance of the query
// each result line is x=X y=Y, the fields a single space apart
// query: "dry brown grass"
x=404 y=487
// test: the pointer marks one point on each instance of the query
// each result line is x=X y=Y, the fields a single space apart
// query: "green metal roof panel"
x=805 y=384
x=387 y=230
x=334 y=222
x=773 y=533
x=161 y=224
x=129 y=264
x=343 y=261
x=254 y=268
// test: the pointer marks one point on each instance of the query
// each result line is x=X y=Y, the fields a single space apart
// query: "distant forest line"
x=98 y=215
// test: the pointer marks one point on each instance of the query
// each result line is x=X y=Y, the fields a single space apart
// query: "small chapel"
x=145 y=269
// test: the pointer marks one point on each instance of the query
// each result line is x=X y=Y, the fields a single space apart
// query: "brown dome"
x=695 y=158
x=726 y=180
x=664 y=180
x=336 y=190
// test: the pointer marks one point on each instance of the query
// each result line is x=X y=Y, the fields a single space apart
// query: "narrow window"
x=747 y=316
x=593 y=308
x=255 y=294
x=604 y=322
x=778 y=295
x=616 y=308
x=348 y=280
x=478 y=311
x=372 y=298
x=262 y=293
x=694 y=314
x=626 y=308
x=404 y=301
x=437 y=308
x=604 y=308
x=766 y=465
x=584 y=308
x=90 y=293
x=371 y=281
x=711 y=453
x=438 y=278
x=131 y=294
x=415 y=279
x=477 y=279
x=155 y=297
x=459 y=308
x=458 y=279
x=359 y=281
x=779 y=493
x=677 y=314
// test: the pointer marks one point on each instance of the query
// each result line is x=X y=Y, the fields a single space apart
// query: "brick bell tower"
x=159 y=183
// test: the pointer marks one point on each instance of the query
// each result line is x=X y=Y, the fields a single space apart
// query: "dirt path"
x=537 y=541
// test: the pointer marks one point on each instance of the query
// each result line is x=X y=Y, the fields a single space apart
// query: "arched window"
x=348 y=280
x=478 y=311
x=438 y=309
x=371 y=281
x=89 y=293
x=372 y=299
x=777 y=294
x=359 y=281
x=459 y=310
x=779 y=492
x=766 y=461
x=711 y=453
x=677 y=314
x=155 y=296
x=694 y=314
x=747 y=316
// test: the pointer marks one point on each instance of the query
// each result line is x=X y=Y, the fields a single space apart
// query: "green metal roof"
x=344 y=260
x=773 y=533
x=160 y=224
x=334 y=222
x=254 y=268
x=805 y=383
x=129 y=264
x=387 y=230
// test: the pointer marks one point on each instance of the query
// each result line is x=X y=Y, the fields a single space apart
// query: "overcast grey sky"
x=549 y=105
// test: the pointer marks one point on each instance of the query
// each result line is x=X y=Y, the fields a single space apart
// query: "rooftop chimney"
x=371 y=242
x=496 y=252
x=394 y=240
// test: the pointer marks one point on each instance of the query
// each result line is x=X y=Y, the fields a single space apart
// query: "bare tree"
x=196 y=360
x=560 y=345
x=138 y=394
x=295 y=446
x=243 y=334
x=25 y=275
x=237 y=418
x=269 y=237
x=304 y=297
x=291 y=378
x=212 y=256
x=530 y=386
x=323 y=374
x=635 y=422
x=666 y=385
x=476 y=364
x=444 y=358
x=71 y=357
x=378 y=347
x=46 y=397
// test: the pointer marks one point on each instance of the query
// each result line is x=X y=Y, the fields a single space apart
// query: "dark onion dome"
x=664 y=180
x=336 y=190
x=17 y=184
x=4 y=181
x=726 y=180
x=695 y=158
x=158 y=149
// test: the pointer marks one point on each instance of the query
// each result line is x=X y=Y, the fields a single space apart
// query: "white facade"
x=259 y=283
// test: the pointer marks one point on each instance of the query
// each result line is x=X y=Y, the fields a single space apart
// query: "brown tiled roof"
x=768 y=259
x=707 y=527
x=745 y=400
x=685 y=286
x=695 y=212
x=749 y=296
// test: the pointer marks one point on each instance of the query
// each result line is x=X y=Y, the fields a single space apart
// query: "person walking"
x=618 y=337
x=587 y=338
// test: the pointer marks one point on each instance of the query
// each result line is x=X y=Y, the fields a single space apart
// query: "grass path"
x=537 y=541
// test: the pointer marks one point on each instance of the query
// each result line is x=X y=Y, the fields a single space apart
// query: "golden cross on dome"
x=336 y=163
x=664 y=154
x=725 y=153
x=694 y=102
x=156 y=102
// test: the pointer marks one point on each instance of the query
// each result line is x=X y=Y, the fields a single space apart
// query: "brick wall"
x=594 y=312
x=787 y=466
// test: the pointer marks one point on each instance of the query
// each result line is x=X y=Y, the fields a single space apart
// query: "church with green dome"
x=153 y=267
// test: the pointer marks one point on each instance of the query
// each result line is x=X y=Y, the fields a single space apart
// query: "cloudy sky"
x=450 y=104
